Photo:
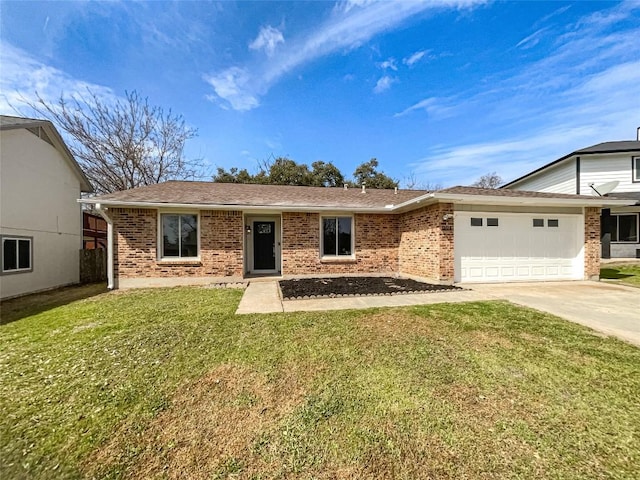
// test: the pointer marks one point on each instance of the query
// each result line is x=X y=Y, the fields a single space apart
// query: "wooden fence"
x=93 y=265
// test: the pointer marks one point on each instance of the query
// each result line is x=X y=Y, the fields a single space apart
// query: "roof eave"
x=60 y=145
x=85 y=185
x=562 y=159
x=537 y=201
x=235 y=207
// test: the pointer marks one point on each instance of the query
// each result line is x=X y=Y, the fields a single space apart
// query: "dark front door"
x=264 y=246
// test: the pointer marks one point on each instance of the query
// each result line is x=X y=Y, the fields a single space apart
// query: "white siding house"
x=40 y=217
x=610 y=168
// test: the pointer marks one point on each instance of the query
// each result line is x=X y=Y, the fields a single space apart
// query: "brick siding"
x=418 y=243
x=592 y=245
x=135 y=246
x=426 y=243
x=376 y=245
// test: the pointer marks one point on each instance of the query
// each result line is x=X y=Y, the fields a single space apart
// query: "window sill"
x=338 y=260
x=16 y=272
x=179 y=261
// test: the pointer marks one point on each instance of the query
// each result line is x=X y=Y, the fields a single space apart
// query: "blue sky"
x=444 y=90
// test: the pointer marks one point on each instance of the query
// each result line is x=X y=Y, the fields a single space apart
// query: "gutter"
x=109 y=220
x=236 y=207
x=537 y=201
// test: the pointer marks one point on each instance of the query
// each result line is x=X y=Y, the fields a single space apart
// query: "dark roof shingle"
x=211 y=193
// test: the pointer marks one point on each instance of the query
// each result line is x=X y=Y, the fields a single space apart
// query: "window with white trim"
x=635 y=166
x=337 y=237
x=17 y=255
x=179 y=237
x=624 y=228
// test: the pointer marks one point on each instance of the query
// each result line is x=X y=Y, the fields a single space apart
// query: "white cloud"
x=231 y=86
x=412 y=59
x=532 y=40
x=388 y=64
x=439 y=107
x=348 y=27
x=23 y=76
x=267 y=40
x=346 y=5
x=383 y=84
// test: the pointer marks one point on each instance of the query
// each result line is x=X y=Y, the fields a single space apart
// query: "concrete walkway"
x=607 y=308
x=260 y=297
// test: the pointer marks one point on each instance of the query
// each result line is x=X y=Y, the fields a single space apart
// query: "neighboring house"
x=611 y=168
x=203 y=232
x=94 y=231
x=40 y=218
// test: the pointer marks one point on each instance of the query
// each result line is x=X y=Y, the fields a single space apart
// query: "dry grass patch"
x=211 y=425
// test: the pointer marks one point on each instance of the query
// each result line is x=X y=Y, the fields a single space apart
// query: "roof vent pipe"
x=363 y=189
x=345 y=186
x=638 y=134
x=395 y=190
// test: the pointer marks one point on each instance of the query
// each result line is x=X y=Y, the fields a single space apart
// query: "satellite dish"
x=605 y=187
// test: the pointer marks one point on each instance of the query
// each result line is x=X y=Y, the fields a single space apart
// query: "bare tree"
x=489 y=180
x=411 y=182
x=123 y=144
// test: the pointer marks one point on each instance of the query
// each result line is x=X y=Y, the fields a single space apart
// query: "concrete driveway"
x=605 y=307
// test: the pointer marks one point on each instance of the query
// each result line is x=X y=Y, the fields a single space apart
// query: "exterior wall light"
x=247 y=229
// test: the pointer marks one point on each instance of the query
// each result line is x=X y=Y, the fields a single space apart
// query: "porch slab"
x=260 y=297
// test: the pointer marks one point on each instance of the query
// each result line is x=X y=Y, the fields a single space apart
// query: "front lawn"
x=170 y=383
x=624 y=273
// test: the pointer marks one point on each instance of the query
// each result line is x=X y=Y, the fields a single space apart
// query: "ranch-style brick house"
x=182 y=232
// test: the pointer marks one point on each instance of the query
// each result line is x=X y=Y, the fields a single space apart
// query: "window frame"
x=617 y=225
x=160 y=242
x=336 y=256
x=635 y=169
x=17 y=239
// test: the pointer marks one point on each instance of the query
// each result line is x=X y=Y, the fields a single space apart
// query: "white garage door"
x=507 y=247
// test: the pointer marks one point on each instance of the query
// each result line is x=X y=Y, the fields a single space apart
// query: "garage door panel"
x=515 y=250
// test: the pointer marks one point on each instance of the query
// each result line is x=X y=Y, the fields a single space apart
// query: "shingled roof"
x=280 y=197
x=210 y=193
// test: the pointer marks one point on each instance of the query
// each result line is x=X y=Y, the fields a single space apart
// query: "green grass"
x=628 y=274
x=170 y=383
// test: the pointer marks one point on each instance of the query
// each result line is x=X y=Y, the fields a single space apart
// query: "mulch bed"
x=304 y=288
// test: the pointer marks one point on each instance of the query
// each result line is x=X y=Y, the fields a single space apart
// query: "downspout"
x=109 y=221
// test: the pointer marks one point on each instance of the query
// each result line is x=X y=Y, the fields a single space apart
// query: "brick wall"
x=376 y=245
x=136 y=237
x=426 y=243
x=592 y=246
